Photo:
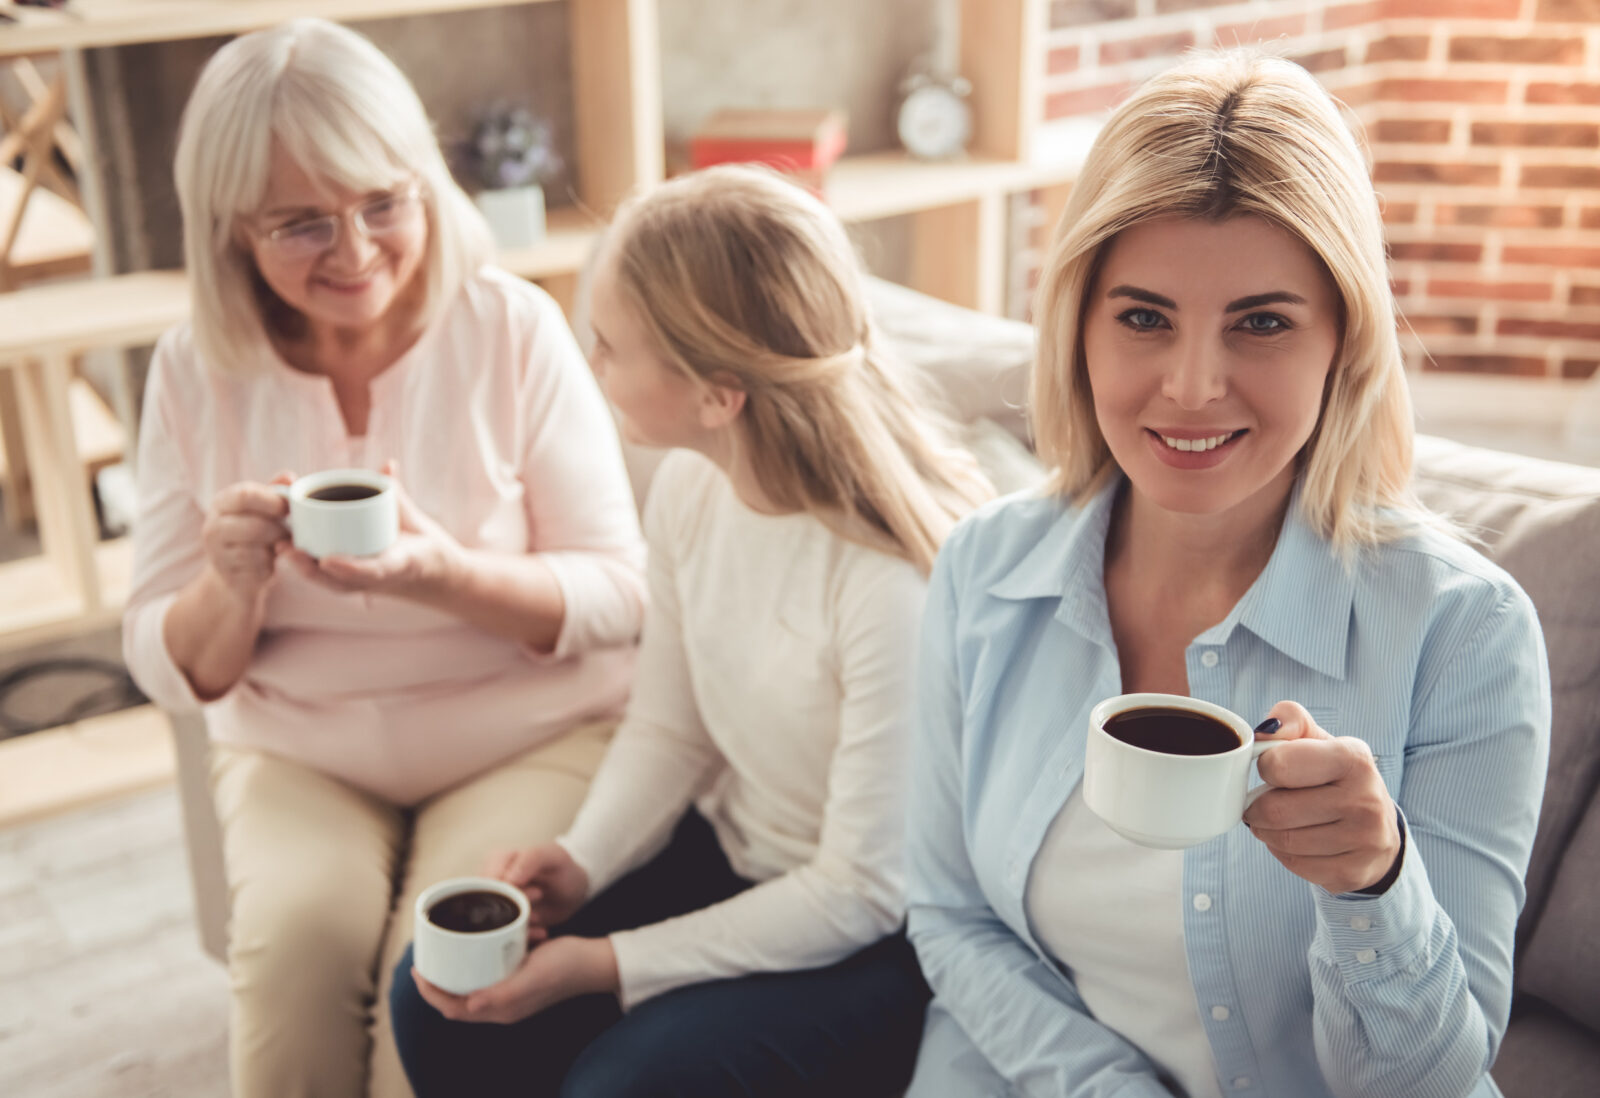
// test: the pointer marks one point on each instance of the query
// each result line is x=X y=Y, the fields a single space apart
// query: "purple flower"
x=512 y=148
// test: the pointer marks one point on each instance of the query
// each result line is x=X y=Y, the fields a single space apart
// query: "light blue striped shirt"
x=1421 y=647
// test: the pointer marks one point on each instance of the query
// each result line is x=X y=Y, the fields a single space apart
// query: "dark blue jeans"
x=849 y=1030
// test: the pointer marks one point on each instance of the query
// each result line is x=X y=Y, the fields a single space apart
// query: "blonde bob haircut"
x=1224 y=135
x=746 y=281
x=331 y=101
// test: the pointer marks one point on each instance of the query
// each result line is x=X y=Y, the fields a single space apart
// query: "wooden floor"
x=104 y=992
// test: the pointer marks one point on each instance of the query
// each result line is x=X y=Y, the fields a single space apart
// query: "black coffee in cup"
x=344 y=493
x=473 y=912
x=1172 y=731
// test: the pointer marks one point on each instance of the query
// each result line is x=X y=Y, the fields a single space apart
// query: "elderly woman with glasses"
x=378 y=723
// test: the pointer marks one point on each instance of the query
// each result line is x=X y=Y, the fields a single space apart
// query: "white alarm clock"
x=934 y=120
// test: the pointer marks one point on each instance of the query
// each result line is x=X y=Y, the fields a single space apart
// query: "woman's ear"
x=720 y=404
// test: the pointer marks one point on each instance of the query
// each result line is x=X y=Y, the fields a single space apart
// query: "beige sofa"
x=1540 y=520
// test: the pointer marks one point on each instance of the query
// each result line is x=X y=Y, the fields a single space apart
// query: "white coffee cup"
x=1168 y=801
x=347 y=527
x=464 y=961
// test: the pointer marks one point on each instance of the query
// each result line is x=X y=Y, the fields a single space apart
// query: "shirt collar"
x=1300 y=604
x=1068 y=563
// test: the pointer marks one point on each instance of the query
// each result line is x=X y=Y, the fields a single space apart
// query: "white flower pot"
x=515 y=215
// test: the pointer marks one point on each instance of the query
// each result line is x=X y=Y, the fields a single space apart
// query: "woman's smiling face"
x=1208 y=345
x=353 y=284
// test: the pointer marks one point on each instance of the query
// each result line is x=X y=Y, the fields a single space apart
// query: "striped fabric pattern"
x=1421 y=647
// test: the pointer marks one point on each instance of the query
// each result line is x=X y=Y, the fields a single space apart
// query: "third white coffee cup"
x=464 y=961
x=1166 y=800
x=359 y=525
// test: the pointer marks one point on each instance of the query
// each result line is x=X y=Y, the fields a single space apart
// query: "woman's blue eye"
x=1265 y=322
x=1142 y=320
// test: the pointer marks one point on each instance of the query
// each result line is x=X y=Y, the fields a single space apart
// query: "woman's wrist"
x=210 y=632
x=604 y=977
x=1384 y=883
x=448 y=575
x=513 y=595
x=211 y=589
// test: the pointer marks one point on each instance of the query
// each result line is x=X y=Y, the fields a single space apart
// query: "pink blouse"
x=502 y=436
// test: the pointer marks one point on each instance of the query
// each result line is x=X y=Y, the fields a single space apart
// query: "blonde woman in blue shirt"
x=1221 y=400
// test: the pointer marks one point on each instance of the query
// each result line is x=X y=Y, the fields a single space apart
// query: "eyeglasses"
x=383 y=216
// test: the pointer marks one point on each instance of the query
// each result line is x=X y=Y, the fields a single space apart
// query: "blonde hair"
x=1219 y=136
x=745 y=280
x=344 y=113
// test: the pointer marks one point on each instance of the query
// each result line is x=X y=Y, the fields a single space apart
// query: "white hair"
x=345 y=114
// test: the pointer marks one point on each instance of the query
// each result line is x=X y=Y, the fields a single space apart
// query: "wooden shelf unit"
x=958 y=215
x=41 y=602
x=88 y=24
x=957 y=212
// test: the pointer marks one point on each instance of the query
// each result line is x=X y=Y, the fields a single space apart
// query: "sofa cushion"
x=1540 y=521
x=1546 y=1056
x=1561 y=961
x=978 y=363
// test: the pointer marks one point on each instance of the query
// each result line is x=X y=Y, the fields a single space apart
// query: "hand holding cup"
x=413 y=557
x=1329 y=818
x=556 y=885
x=243 y=533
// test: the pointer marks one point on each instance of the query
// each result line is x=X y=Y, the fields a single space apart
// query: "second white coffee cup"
x=462 y=961
x=348 y=512
x=1166 y=800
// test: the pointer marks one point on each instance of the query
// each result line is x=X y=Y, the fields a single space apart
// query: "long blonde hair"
x=745 y=280
x=344 y=113
x=1219 y=136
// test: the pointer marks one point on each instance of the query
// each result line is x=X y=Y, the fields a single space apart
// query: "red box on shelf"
x=800 y=143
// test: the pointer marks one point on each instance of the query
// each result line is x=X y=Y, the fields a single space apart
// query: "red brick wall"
x=1483 y=117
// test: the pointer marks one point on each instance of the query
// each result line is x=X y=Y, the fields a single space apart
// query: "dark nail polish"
x=1268 y=726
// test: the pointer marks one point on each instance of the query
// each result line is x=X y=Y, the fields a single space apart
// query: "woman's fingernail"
x=1268 y=726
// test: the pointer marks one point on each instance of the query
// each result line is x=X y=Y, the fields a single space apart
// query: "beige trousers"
x=322 y=879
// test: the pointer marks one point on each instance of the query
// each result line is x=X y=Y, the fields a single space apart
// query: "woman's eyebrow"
x=1142 y=295
x=1256 y=300
x=285 y=211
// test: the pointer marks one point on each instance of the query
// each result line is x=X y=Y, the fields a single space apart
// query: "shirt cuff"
x=599 y=869
x=1371 y=937
x=590 y=602
x=144 y=649
x=635 y=980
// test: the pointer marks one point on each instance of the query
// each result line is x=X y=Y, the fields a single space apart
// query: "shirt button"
x=1202 y=902
x=1366 y=956
x=1242 y=1081
x=1208 y=658
x=1220 y=1013
x=1360 y=922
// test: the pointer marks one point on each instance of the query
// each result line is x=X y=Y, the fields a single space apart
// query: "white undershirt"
x=1110 y=911
x=773 y=689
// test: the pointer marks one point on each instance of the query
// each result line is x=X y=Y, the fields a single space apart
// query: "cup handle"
x=283 y=492
x=1258 y=749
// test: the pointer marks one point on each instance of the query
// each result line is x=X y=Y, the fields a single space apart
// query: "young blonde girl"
x=733 y=880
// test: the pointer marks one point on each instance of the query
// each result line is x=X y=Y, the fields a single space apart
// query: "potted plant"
x=513 y=155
